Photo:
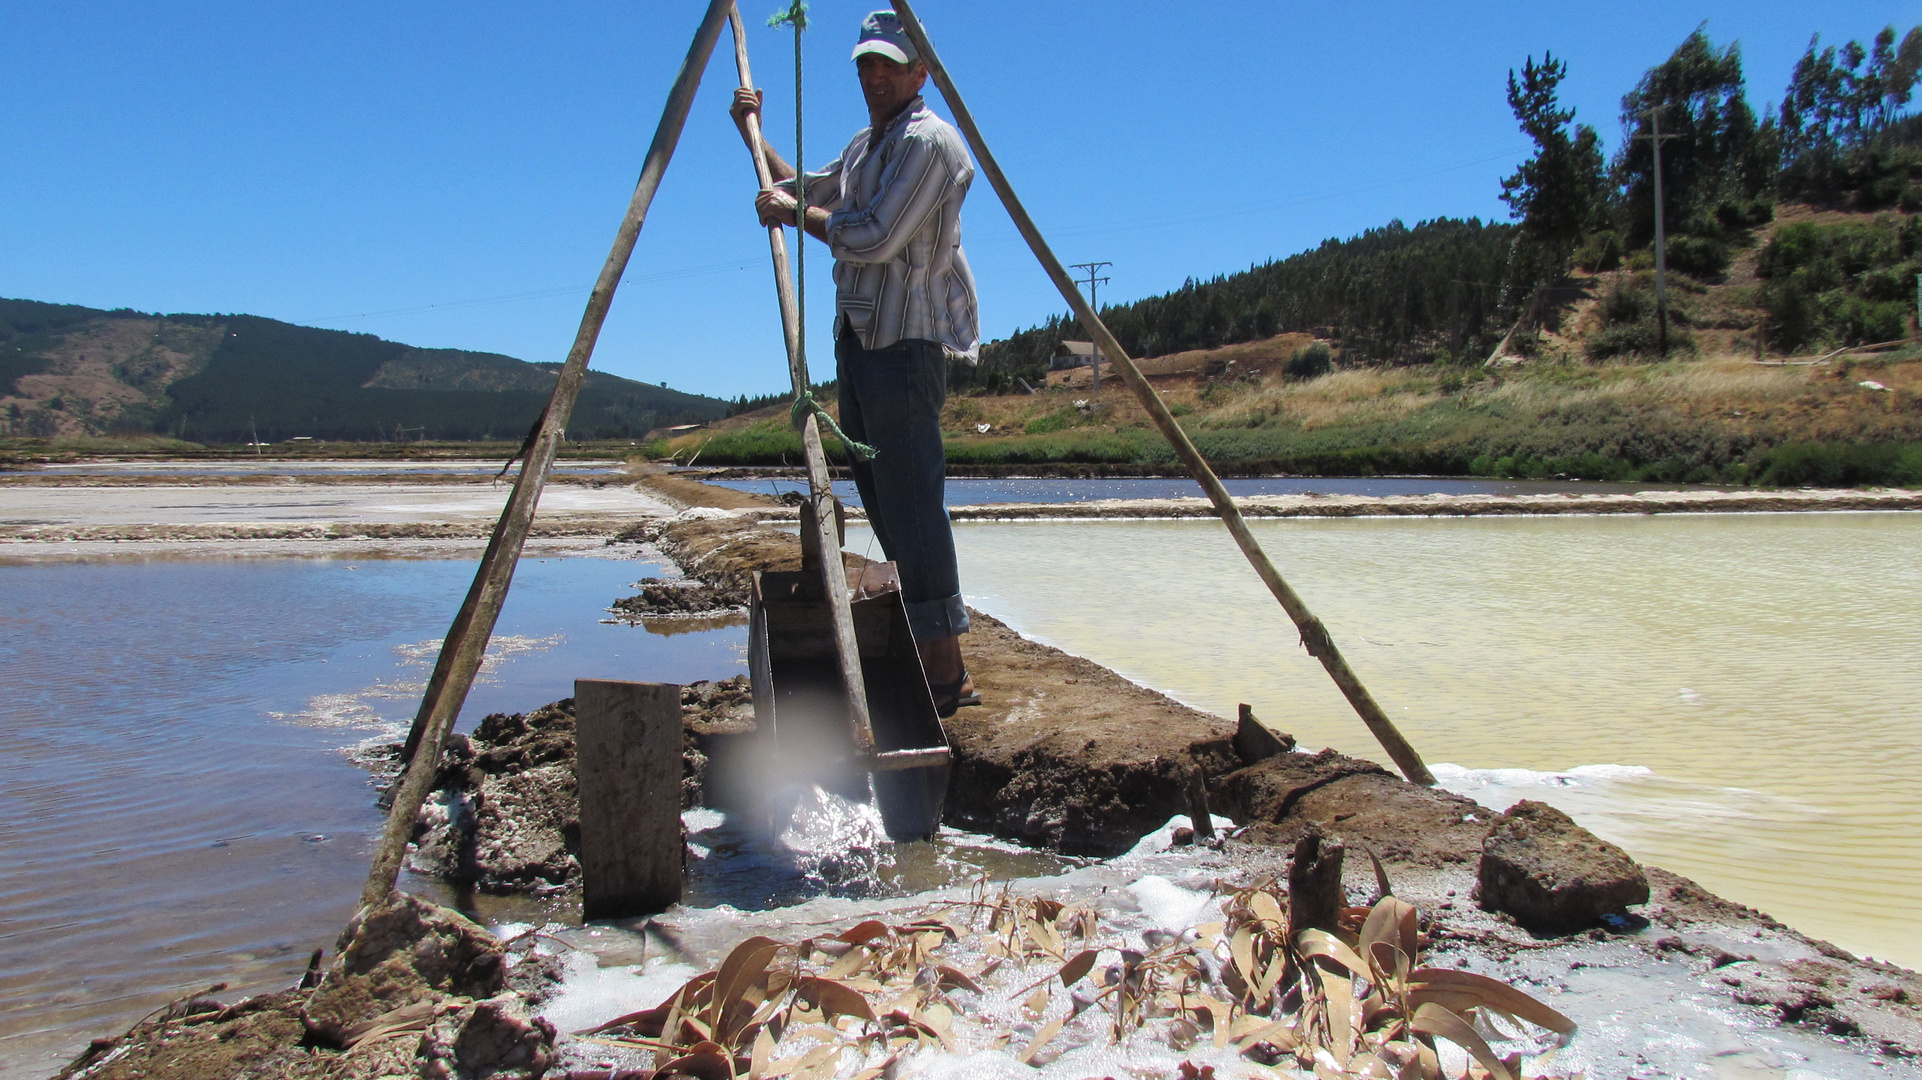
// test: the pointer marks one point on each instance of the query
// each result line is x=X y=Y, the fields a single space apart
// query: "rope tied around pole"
x=805 y=403
x=796 y=16
x=1315 y=639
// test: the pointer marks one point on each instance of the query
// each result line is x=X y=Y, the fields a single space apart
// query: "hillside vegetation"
x=1578 y=405
x=70 y=372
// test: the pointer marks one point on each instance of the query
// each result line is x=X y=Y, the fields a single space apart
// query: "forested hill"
x=1392 y=294
x=1842 y=139
x=71 y=370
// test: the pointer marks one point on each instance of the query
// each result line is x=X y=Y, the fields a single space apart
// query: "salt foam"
x=590 y=995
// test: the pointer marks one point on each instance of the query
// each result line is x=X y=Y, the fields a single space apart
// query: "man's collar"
x=914 y=105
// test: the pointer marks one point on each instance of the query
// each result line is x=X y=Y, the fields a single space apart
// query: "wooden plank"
x=1314 y=637
x=1315 y=895
x=628 y=737
x=1254 y=741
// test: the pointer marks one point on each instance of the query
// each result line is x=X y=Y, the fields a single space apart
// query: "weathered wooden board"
x=628 y=737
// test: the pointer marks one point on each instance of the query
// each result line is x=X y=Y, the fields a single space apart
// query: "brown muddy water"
x=1737 y=698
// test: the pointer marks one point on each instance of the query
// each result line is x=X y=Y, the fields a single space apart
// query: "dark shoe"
x=949 y=696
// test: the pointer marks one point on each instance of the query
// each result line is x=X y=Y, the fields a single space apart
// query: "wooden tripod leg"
x=467 y=640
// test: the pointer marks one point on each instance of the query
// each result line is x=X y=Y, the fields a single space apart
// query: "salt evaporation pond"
x=183 y=804
x=1731 y=696
x=180 y=805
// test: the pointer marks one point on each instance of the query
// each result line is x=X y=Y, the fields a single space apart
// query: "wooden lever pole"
x=1314 y=636
x=466 y=642
x=834 y=575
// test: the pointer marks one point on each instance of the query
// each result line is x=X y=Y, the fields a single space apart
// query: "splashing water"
x=836 y=841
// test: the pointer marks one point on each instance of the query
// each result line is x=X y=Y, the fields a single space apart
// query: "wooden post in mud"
x=1199 y=816
x=466 y=641
x=1315 y=896
x=628 y=741
x=823 y=510
x=1314 y=636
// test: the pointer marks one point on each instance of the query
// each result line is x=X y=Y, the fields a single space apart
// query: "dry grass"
x=1708 y=385
x=1359 y=396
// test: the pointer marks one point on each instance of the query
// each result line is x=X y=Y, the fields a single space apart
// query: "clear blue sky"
x=348 y=164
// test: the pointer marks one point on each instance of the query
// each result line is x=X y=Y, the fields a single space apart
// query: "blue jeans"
x=891 y=399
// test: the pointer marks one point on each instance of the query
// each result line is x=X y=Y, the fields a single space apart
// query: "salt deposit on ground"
x=1638 y=1017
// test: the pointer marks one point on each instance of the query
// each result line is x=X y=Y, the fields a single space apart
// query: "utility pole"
x=1655 y=138
x=1093 y=283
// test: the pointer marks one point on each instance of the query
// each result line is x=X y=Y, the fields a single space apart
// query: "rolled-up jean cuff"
x=933 y=619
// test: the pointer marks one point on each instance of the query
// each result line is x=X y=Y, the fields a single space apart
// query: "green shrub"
x=1641 y=338
x=1601 y=252
x=1736 y=215
x=1794 y=313
x=1628 y=303
x=1839 y=464
x=1308 y=363
x=1698 y=256
x=1059 y=420
x=1871 y=321
x=1894 y=283
x=1126 y=447
x=761 y=445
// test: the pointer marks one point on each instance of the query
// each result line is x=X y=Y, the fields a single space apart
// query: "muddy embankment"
x=414 y=990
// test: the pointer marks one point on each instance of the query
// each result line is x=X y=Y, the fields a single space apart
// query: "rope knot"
x=796 y=15
x=1314 y=638
x=805 y=403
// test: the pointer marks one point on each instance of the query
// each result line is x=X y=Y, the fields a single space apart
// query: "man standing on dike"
x=890 y=209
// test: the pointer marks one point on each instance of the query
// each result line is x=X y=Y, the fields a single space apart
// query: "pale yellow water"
x=1766 y=668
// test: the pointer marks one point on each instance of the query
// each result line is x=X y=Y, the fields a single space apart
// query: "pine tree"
x=1558 y=193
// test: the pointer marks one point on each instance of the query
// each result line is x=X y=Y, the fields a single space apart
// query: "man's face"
x=887 y=85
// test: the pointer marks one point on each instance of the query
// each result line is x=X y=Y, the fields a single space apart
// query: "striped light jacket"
x=894 y=225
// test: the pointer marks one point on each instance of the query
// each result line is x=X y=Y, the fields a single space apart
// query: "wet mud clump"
x=1553 y=875
x=505 y=817
x=416 y=990
x=682 y=599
